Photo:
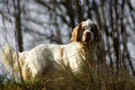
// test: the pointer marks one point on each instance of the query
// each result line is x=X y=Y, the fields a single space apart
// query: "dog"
x=85 y=38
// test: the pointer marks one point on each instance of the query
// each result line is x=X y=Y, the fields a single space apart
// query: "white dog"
x=85 y=38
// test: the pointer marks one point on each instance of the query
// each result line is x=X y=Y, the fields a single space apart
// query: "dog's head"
x=86 y=32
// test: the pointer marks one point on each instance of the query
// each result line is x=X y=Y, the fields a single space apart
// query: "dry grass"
x=91 y=77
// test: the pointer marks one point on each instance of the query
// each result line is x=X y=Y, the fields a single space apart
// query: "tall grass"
x=95 y=76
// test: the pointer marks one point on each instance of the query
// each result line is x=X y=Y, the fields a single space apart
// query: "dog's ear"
x=97 y=33
x=77 y=33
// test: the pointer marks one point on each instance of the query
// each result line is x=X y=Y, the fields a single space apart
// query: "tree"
x=17 y=15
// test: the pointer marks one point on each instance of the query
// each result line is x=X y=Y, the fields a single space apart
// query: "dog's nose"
x=88 y=36
x=88 y=33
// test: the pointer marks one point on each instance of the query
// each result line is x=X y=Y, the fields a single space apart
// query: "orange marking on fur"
x=61 y=51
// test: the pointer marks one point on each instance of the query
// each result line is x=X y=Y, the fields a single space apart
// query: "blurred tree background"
x=52 y=21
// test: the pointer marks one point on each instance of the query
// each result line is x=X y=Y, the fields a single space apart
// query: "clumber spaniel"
x=85 y=38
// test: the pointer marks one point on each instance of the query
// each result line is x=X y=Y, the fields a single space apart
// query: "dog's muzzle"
x=87 y=36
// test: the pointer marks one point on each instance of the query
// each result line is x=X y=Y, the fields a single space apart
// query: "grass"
x=90 y=77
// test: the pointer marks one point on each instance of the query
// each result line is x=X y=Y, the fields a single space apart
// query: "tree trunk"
x=17 y=9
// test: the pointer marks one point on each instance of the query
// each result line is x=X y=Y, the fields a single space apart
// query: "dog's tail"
x=8 y=55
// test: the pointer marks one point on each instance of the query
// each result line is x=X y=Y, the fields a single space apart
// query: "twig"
x=16 y=44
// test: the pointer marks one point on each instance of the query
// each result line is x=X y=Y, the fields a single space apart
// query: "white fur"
x=87 y=24
x=36 y=58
